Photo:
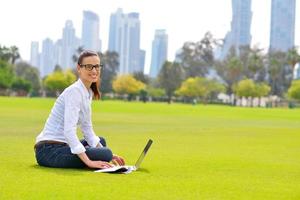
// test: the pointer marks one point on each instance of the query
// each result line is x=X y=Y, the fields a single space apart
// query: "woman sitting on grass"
x=58 y=145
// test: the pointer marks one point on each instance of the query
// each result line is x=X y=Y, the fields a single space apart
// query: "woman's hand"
x=117 y=160
x=99 y=164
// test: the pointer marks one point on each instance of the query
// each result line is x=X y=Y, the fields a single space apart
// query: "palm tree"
x=293 y=57
x=14 y=54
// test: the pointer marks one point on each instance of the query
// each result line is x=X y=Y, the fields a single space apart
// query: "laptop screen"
x=139 y=161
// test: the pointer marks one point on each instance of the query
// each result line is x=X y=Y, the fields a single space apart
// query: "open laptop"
x=127 y=169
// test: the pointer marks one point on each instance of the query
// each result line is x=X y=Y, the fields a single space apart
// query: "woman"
x=58 y=145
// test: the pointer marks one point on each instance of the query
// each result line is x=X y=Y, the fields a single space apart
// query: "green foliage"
x=294 y=90
x=6 y=75
x=9 y=54
x=58 y=80
x=247 y=88
x=262 y=89
x=231 y=71
x=21 y=85
x=140 y=76
x=192 y=87
x=293 y=57
x=200 y=88
x=170 y=77
x=127 y=84
x=110 y=60
x=156 y=92
x=197 y=57
x=280 y=73
x=29 y=73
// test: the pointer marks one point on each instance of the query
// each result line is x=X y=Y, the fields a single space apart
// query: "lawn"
x=199 y=152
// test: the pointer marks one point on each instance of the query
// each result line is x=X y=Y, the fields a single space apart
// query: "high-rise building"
x=58 y=53
x=282 y=25
x=69 y=45
x=47 y=57
x=141 y=61
x=159 y=52
x=90 y=31
x=34 y=54
x=240 y=27
x=124 y=38
x=297 y=69
x=115 y=28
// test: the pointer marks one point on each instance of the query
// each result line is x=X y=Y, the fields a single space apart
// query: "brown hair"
x=95 y=85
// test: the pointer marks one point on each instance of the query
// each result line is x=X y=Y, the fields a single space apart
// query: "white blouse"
x=72 y=108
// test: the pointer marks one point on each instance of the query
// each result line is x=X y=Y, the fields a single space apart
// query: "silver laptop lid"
x=142 y=156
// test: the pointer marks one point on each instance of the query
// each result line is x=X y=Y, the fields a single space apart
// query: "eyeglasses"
x=90 y=67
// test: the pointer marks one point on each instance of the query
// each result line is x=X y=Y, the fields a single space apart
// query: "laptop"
x=126 y=168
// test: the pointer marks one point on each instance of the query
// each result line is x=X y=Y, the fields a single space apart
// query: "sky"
x=184 y=20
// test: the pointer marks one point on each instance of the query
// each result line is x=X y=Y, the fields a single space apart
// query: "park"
x=199 y=152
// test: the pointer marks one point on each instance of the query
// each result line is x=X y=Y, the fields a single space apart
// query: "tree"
x=6 y=76
x=294 y=90
x=247 y=88
x=140 y=76
x=110 y=60
x=77 y=53
x=14 y=54
x=200 y=88
x=156 y=92
x=21 y=86
x=255 y=69
x=262 y=89
x=293 y=57
x=170 y=77
x=10 y=54
x=126 y=84
x=30 y=74
x=197 y=57
x=193 y=88
x=231 y=71
x=280 y=73
x=57 y=68
x=58 y=81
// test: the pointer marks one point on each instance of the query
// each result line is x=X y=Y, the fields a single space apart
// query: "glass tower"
x=282 y=25
x=159 y=52
x=240 y=26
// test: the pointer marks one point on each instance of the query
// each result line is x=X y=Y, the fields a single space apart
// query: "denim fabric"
x=59 y=155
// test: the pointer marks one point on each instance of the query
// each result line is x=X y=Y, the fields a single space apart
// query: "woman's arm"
x=92 y=163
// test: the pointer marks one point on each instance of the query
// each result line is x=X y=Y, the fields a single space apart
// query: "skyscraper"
x=282 y=25
x=69 y=45
x=297 y=70
x=47 y=57
x=124 y=38
x=90 y=31
x=159 y=52
x=240 y=27
x=115 y=28
x=34 y=54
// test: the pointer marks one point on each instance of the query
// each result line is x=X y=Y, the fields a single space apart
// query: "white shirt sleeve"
x=89 y=134
x=72 y=108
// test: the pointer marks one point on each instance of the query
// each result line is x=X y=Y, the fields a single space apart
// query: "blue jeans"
x=60 y=155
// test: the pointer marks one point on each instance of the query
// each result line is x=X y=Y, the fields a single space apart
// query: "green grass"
x=199 y=152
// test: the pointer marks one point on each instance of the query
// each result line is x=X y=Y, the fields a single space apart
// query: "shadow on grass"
x=64 y=171
x=143 y=170
x=73 y=171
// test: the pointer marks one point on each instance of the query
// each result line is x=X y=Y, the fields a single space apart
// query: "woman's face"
x=89 y=70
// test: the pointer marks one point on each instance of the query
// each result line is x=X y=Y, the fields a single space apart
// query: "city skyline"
x=179 y=19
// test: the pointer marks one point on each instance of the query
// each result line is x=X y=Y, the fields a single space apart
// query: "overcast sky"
x=184 y=20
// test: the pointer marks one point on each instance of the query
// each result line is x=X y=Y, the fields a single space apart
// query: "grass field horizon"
x=199 y=152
